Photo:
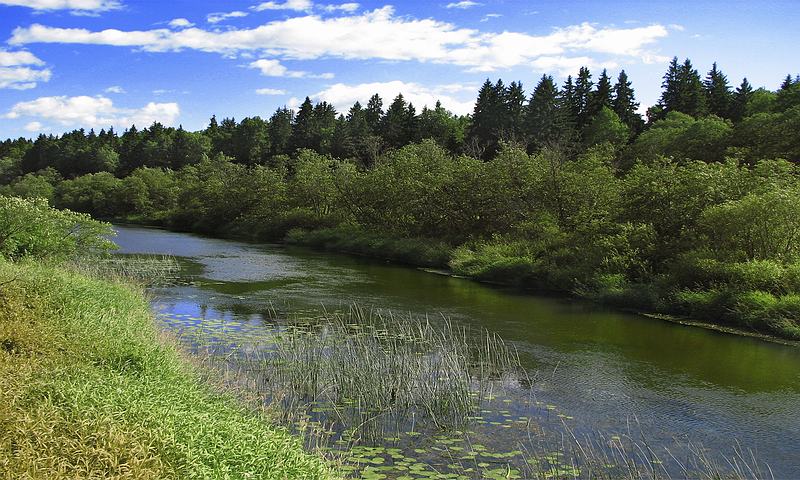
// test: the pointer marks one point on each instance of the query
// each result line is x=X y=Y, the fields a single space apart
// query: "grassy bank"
x=754 y=297
x=87 y=390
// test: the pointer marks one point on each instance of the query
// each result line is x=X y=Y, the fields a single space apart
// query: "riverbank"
x=695 y=308
x=751 y=313
x=88 y=389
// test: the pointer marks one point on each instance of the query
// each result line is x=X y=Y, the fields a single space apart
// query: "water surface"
x=605 y=368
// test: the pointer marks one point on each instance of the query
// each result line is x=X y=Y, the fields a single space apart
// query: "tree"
x=606 y=127
x=442 y=126
x=514 y=119
x=280 y=131
x=250 y=142
x=583 y=95
x=718 y=93
x=788 y=95
x=625 y=104
x=487 y=117
x=323 y=127
x=303 y=128
x=395 y=123
x=543 y=116
x=601 y=97
x=31 y=228
x=760 y=226
x=741 y=97
x=374 y=113
x=682 y=91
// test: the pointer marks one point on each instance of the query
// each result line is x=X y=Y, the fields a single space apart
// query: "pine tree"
x=303 y=128
x=514 y=125
x=280 y=131
x=374 y=113
x=543 y=116
x=410 y=127
x=682 y=91
x=718 y=93
x=486 y=117
x=741 y=97
x=323 y=127
x=569 y=104
x=394 y=125
x=583 y=93
x=789 y=94
x=625 y=104
x=601 y=97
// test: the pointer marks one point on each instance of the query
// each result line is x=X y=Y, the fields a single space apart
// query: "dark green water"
x=603 y=368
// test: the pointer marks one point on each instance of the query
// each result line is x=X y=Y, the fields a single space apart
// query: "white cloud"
x=115 y=89
x=13 y=59
x=343 y=96
x=489 y=16
x=274 y=68
x=270 y=91
x=344 y=7
x=180 y=23
x=33 y=126
x=220 y=16
x=377 y=34
x=21 y=70
x=463 y=4
x=76 y=6
x=95 y=112
x=568 y=65
x=297 y=5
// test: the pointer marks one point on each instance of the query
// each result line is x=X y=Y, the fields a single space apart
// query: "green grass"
x=89 y=390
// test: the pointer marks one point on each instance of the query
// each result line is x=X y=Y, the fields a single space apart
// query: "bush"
x=31 y=228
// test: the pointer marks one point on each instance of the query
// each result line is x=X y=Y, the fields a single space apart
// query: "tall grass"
x=87 y=390
x=374 y=372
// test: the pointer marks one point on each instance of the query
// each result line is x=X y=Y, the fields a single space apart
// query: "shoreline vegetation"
x=89 y=388
x=694 y=213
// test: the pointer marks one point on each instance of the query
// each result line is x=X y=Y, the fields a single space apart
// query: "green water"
x=605 y=369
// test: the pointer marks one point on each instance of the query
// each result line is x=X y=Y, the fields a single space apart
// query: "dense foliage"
x=32 y=228
x=694 y=212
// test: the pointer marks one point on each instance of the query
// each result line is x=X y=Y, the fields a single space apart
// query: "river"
x=604 y=368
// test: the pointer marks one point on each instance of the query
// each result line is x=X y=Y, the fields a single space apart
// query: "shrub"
x=31 y=228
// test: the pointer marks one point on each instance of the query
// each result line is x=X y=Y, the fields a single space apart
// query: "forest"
x=693 y=211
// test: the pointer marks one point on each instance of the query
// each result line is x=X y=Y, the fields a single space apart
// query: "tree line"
x=693 y=211
x=580 y=113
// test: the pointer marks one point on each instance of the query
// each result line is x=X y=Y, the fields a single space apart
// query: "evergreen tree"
x=741 y=97
x=280 y=131
x=718 y=93
x=543 y=116
x=374 y=113
x=789 y=94
x=601 y=97
x=583 y=94
x=625 y=104
x=394 y=125
x=486 y=116
x=303 y=128
x=250 y=142
x=682 y=91
x=323 y=126
x=514 y=126
x=568 y=103
x=411 y=123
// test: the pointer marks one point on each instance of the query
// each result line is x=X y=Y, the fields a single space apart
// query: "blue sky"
x=66 y=64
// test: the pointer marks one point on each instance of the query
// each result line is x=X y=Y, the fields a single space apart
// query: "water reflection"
x=603 y=367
